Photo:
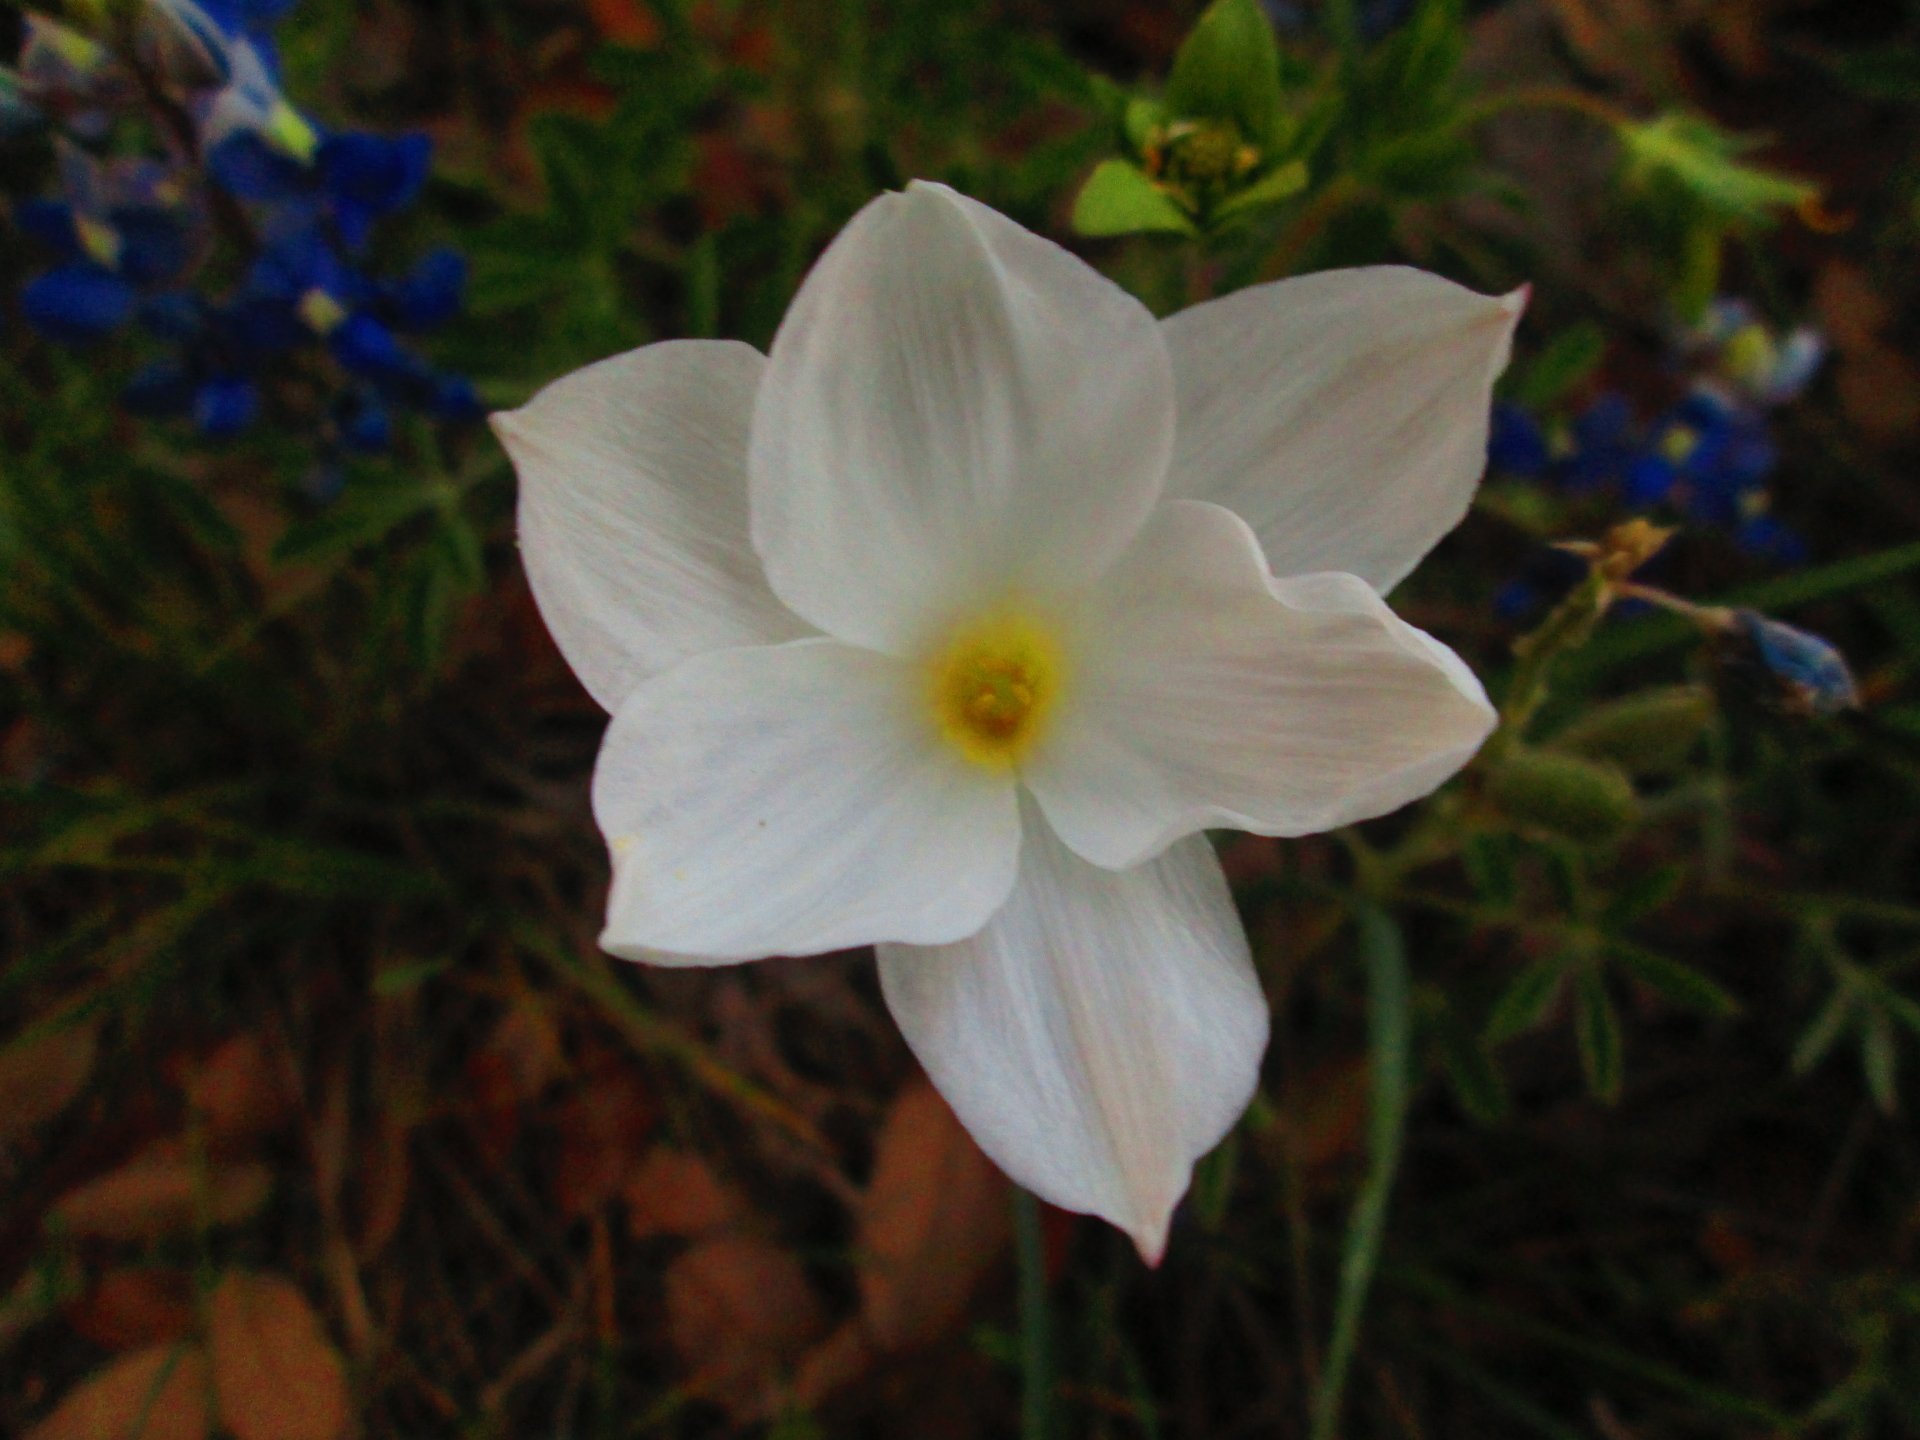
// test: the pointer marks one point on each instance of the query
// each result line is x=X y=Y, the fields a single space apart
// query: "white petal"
x=633 y=511
x=953 y=407
x=791 y=800
x=1216 y=696
x=1343 y=415
x=1101 y=1034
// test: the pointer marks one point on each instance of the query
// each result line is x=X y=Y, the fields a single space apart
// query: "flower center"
x=993 y=685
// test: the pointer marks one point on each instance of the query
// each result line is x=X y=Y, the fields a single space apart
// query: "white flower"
x=948 y=627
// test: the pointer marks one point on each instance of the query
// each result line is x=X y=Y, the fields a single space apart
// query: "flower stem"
x=1389 y=1016
x=1036 y=1321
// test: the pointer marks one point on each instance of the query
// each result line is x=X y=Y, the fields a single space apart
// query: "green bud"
x=1228 y=69
x=1566 y=795
x=1651 y=733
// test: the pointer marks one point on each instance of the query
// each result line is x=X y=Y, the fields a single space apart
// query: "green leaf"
x=1701 y=159
x=1879 y=1061
x=1654 y=732
x=1270 y=189
x=1682 y=984
x=1886 y=72
x=1818 y=1038
x=1140 y=119
x=1597 y=1027
x=1119 y=199
x=1228 y=68
x=1489 y=860
x=1644 y=895
x=1472 y=1075
x=1526 y=1000
x=364 y=515
x=1572 y=355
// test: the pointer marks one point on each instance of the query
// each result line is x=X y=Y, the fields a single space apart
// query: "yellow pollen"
x=993 y=685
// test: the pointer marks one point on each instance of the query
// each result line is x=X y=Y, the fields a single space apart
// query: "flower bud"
x=1566 y=795
x=1652 y=732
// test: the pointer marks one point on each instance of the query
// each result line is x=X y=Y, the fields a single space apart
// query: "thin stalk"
x=1390 y=1021
x=1036 y=1321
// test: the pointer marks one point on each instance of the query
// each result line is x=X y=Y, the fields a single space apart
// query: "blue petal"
x=225 y=405
x=364 y=422
x=1650 y=479
x=77 y=302
x=430 y=293
x=247 y=168
x=366 y=347
x=1516 y=444
x=156 y=245
x=51 y=223
x=372 y=174
x=452 y=397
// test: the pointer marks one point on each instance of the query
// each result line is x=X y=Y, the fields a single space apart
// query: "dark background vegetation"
x=313 y=1081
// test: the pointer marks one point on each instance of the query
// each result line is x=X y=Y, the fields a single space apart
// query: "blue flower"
x=428 y=295
x=224 y=405
x=1516 y=445
x=369 y=177
x=77 y=302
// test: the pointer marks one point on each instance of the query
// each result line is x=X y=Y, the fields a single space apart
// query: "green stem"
x=1389 y=1013
x=1036 y=1321
x=1545 y=97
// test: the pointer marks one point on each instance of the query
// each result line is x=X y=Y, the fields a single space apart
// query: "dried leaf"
x=935 y=1216
x=159 y=1393
x=39 y=1079
x=677 y=1193
x=739 y=1313
x=160 y=1191
x=601 y=1129
x=277 y=1374
x=127 y=1308
x=241 y=1091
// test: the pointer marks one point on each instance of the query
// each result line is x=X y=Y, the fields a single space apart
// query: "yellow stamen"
x=993 y=686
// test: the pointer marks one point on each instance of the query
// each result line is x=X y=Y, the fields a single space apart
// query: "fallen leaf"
x=677 y=1193
x=241 y=1091
x=159 y=1191
x=739 y=1313
x=277 y=1374
x=39 y=1079
x=128 y=1307
x=934 y=1217
x=159 y=1393
x=601 y=1129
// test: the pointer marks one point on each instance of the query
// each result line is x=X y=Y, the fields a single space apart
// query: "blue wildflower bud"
x=1802 y=673
x=160 y=391
x=155 y=245
x=224 y=405
x=77 y=302
x=1767 y=537
x=429 y=294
